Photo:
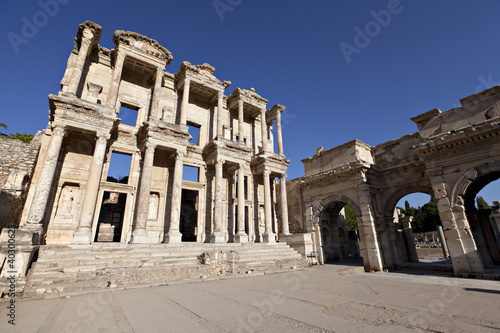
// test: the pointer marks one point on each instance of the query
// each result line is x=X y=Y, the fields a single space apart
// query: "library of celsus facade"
x=121 y=110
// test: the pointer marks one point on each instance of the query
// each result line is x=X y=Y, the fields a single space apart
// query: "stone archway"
x=482 y=229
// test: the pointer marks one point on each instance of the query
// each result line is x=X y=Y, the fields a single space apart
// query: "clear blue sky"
x=427 y=54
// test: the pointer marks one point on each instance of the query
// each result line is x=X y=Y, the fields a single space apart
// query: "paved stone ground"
x=325 y=298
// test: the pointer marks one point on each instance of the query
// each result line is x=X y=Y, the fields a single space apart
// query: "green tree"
x=351 y=218
x=481 y=203
x=426 y=218
x=25 y=137
x=4 y=126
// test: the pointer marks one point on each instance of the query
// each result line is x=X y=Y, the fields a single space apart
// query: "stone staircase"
x=74 y=269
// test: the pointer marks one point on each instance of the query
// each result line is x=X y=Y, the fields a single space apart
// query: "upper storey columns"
x=88 y=35
x=185 y=101
x=240 y=121
x=264 y=129
x=155 y=103
x=220 y=115
x=115 y=78
x=280 y=135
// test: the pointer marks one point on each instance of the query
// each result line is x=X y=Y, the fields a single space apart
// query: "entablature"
x=253 y=103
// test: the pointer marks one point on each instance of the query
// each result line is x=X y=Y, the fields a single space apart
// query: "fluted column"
x=76 y=75
x=185 y=101
x=45 y=178
x=269 y=236
x=284 y=206
x=174 y=235
x=83 y=234
x=139 y=234
x=156 y=93
x=280 y=134
x=264 y=129
x=220 y=101
x=115 y=79
x=217 y=235
x=240 y=122
x=241 y=236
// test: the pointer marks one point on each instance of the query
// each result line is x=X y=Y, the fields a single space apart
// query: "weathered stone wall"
x=17 y=161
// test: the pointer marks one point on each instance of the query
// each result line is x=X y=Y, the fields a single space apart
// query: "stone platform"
x=75 y=269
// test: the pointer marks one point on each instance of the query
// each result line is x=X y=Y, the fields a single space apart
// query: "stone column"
x=373 y=261
x=185 y=101
x=240 y=121
x=45 y=178
x=410 y=240
x=463 y=251
x=268 y=236
x=139 y=234
x=446 y=253
x=264 y=129
x=217 y=235
x=76 y=75
x=83 y=234
x=241 y=236
x=220 y=102
x=284 y=207
x=155 y=103
x=174 y=235
x=280 y=135
x=396 y=255
x=115 y=79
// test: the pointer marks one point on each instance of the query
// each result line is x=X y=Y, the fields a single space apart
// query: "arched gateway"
x=452 y=157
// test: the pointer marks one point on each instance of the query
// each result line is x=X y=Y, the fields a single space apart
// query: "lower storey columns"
x=83 y=234
x=284 y=207
x=139 y=234
x=217 y=235
x=174 y=235
x=44 y=185
x=268 y=236
x=241 y=236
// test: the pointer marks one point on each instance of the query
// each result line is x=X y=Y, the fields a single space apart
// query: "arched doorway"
x=339 y=234
x=484 y=219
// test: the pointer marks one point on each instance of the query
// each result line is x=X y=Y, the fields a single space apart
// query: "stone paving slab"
x=329 y=298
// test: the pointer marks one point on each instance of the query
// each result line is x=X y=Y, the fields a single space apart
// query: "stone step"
x=100 y=265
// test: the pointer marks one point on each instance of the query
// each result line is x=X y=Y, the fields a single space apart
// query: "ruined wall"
x=17 y=161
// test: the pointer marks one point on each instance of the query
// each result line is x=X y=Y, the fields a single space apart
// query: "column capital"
x=179 y=154
x=187 y=82
x=119 y=54
x=102 y=138
x=148 y=147
x=59 y=130
x=220 y=94
x=266 y=172
x=283 y=176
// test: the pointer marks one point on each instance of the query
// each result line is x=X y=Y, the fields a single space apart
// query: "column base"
x=243 y=238
x=269 y=238
x=282 y=237
x=173 y=237
x=82 y=236
x=217 y=237
x=139 y=236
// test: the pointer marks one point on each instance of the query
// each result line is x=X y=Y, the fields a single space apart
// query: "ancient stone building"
x=173 y=122
x=452 y=157
x=120 y=110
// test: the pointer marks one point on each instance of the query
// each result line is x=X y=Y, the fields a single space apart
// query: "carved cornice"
x=82 y=110
x=205 y=70
x=461 y=140
x=142 y=43
x=249 y=93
